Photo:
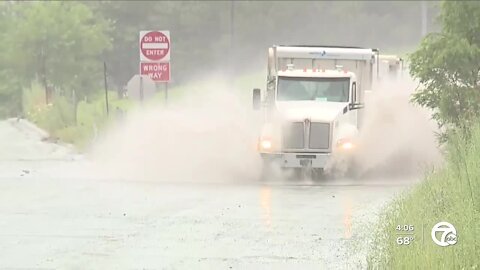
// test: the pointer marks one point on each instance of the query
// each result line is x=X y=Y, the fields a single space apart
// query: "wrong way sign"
x=154 y=46
x=158 y=72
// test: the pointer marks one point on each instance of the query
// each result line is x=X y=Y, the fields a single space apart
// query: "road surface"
x=55 y=215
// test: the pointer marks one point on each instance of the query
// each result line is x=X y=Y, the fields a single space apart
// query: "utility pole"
x=424 y=17
x=44 y=76
x=232 y=35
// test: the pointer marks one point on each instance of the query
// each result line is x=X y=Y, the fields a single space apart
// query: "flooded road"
x=55 y=215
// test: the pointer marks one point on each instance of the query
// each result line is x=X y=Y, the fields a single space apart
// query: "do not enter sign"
x=154 y=46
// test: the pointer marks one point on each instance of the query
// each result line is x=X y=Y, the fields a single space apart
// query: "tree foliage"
x=448 y=68
x=57 y=43
x=201 y=30
x=10 y=88
x=63 y=43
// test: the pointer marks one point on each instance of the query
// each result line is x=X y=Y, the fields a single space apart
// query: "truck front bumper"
x=297 y=160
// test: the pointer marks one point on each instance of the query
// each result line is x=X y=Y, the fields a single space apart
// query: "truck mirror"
x=355 y=106
x=256 y=101
x=354 y=92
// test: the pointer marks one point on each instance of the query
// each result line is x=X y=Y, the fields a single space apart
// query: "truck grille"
x=293 y=135
x=319 y=136
x=306 y=136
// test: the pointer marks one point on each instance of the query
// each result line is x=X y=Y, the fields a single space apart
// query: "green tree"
x=447 y=66
x=200 y=30
x=197 y=28
x=63 y=43
x=10 y=88
x=60 y=44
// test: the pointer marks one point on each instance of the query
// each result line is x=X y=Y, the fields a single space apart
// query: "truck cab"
x=312 y=104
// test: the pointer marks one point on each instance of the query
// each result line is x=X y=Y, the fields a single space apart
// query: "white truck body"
x=390 y=67
x=312 y=104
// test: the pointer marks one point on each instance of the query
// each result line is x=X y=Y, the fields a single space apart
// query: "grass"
x=451 y=194
x=64 y=122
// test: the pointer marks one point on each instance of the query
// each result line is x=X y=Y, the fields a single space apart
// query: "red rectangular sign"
x=158 y=72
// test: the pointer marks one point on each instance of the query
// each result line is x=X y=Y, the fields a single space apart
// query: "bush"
x=451 y=194
x=447 y=67
x=10 y=96
x=77 y=125
x=57 y=115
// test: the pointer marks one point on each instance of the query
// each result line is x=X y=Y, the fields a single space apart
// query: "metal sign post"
x=140 y=88
x=106 y=87
x=166 y=92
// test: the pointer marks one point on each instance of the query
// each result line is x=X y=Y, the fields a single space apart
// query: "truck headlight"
x=345 y=144
x=265 y=145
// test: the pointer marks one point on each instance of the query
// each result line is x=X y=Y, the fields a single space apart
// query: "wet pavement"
x=54 y=214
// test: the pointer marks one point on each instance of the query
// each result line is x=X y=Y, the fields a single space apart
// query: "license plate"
x=306 y=162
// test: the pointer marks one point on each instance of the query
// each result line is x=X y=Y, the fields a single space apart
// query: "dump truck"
x=312 y=105
x=391 y=67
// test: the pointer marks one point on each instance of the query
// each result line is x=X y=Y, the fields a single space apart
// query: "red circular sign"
x=155 y=46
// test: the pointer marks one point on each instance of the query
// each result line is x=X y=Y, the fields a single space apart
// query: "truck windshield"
x=319 y=89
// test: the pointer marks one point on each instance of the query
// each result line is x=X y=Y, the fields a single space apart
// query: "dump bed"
x=391 y=67
x=360 y=61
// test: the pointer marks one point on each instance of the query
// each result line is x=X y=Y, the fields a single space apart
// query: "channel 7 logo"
x=444 y=234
